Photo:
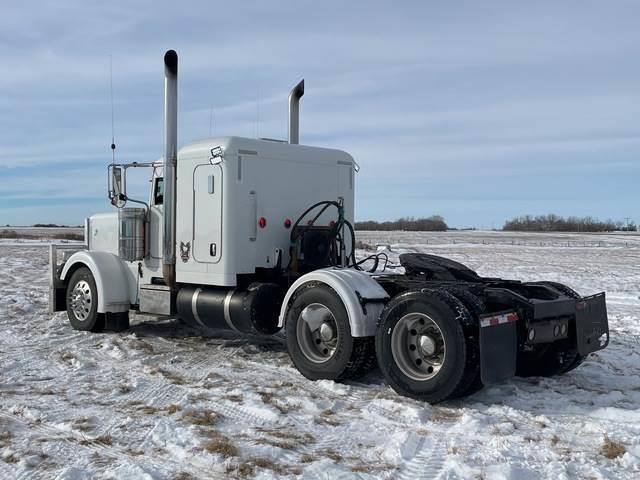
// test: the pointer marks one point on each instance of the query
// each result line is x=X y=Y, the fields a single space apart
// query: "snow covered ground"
x=165 y=401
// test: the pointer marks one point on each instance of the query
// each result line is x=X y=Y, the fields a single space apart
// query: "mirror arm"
x=123 y=197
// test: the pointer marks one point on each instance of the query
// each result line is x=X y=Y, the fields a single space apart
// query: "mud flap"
x=498 y=346
x=592 y=324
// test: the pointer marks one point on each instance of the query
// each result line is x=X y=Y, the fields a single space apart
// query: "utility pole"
x=627 y=220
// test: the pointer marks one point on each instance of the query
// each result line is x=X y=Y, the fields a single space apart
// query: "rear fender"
x=116 y=284
x=361 y=295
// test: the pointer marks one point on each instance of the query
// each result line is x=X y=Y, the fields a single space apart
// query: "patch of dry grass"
x=100 y=440
x=283 y=444
x=141 y=345
x=151 y=410
x=233 y=398
x=445 y=414
x=220 y=444
x=268 y=464
x=287 y=434
x=248 y=468
x=332 y=454
x=183 y=476
x=172 y=377
x=202 y=418
x=327 y=417
x=371 y=468
x=241 y=470
x=66 y=357
x=124 y=389
x=268 y=398
x=612 y=449
x=5 y=439
x=11 y=458
x=284 y=439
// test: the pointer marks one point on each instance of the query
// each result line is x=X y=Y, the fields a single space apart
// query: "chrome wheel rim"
x=317 y=333
x=81 y=300
x=418 y=346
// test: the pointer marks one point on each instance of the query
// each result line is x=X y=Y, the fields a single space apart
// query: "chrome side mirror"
x=117 y=186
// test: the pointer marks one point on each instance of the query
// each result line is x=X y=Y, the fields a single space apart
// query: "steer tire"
x=351 y=355
x=449 y=315
x=82 y=302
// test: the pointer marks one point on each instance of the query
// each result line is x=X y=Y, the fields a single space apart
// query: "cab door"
x=207 y=213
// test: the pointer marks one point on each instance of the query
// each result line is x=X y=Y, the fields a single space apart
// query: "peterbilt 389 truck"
x=256 y=236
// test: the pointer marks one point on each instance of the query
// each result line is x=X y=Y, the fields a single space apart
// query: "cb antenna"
x=113 y=135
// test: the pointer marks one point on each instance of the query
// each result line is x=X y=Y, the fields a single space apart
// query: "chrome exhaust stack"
x=170 y=164
x=294 y=112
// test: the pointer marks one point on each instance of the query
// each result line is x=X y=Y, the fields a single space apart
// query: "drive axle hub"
x=317 y=333
x=427 y=345
x=326 y=332
x=418 y=346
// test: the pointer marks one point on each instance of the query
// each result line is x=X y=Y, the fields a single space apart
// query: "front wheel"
x=421 y=345
x=82 y=302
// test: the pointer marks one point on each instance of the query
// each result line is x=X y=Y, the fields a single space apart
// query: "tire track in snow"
x=424 y=457
x=7 y=471
x=78 y=443
x=358 y=400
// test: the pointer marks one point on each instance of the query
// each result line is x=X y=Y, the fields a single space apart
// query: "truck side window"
x=158 y=191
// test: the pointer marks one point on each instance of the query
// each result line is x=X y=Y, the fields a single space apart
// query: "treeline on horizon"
x=525 y=223
x=48 y=225
x=556 y=223
x=434 y=223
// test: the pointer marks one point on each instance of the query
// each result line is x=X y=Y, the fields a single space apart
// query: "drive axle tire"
x=319 y=337
x=421 y=345
x=472 y=380
x=82 y=302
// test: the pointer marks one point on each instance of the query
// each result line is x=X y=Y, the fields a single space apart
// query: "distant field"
x=41 y=234
x=490 y=237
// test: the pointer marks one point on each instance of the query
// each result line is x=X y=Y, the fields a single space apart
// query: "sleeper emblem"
x=185 y=248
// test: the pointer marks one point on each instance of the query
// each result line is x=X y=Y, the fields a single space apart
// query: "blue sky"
x=477 y=111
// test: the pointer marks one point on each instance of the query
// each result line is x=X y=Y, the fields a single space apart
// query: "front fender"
x=115 y=282
x=361 y=295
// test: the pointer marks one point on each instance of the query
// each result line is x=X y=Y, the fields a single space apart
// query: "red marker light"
x=287 y=223
x=332 y=223
x=262 y=222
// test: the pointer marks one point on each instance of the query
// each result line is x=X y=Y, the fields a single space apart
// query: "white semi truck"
x=256 y=235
